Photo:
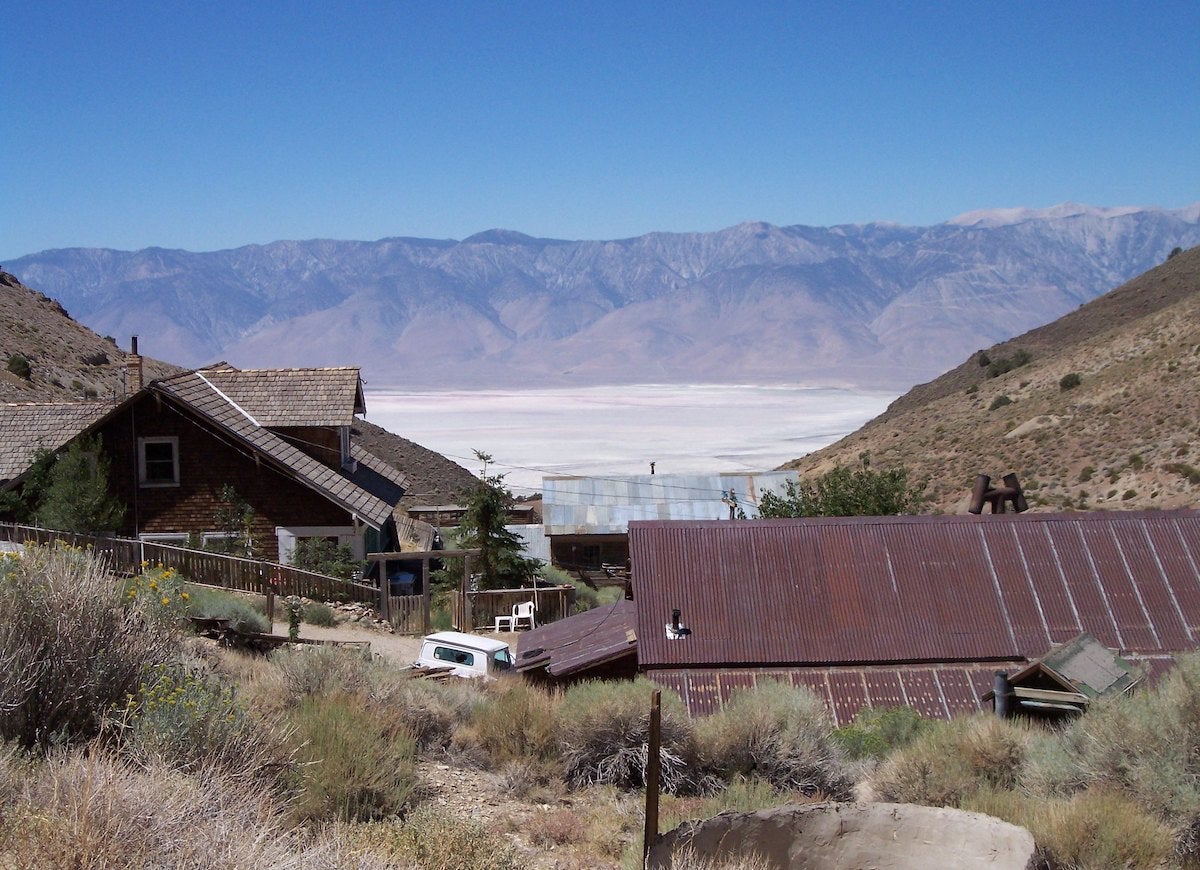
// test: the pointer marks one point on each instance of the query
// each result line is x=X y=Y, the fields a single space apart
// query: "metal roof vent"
x=676 y=630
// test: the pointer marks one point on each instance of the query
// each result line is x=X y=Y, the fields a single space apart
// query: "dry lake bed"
x=622 y=429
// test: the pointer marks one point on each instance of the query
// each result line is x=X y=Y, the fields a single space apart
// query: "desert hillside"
x=66 y=359
x=69 y=361
x=1123 y=437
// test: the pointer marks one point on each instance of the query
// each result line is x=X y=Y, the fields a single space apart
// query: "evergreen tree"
x=73 y=495
x=499 y=563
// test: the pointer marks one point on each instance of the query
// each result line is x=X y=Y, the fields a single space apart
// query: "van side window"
x=454 y=656
x=503 y=662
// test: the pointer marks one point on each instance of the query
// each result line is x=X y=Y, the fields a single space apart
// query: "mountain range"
x=875 y=305
x=1097 y=410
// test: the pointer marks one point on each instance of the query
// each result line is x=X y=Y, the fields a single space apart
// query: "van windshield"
x=503 y=660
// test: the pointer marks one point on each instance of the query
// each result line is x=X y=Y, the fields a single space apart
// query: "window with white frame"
x=158 y=461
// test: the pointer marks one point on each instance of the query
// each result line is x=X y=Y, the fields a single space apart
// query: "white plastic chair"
x=520 y=613
x=524 y=612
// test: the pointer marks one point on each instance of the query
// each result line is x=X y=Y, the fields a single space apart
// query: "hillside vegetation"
x=1098 y=409
x=66 y=360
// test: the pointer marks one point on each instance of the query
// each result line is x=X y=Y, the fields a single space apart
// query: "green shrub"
x=1147 y=747
x=69 y=649
x=1001 y=365
x=325 y=557
x=604 y=736
x=191 y=721
x=1191 y=473
x=357 y=765
x=513 y=720
x=211 y=603
x=780 y=734
x=999 y=402
x=951 y=760
x=18 y=364
x=1070 y=381
x=430 y=839
x=316 y=613
x=1085 y=473
x=878 y=731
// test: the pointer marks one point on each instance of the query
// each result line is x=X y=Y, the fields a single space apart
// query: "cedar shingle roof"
x=26 y=427
x=198 y=391
x=291 y=397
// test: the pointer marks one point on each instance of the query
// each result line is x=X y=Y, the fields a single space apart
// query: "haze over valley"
x=874 y=306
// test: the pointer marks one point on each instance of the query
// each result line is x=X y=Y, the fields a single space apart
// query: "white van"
x=465 y=655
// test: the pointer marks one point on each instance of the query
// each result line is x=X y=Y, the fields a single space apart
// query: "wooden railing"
x=551 y=603
x=126 y=555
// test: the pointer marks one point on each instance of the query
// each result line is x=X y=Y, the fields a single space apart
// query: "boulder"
x=846 y=836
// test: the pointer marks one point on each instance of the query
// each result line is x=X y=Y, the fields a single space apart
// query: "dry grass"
x=780 y=734
x=356 y=764
x=69 y=649
x=87 y=809
x=604 y=736
x=951 y=761
x=513 y=721
x=1093 y=829
x=433 y=841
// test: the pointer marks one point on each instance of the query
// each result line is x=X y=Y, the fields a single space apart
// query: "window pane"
x=159 y=459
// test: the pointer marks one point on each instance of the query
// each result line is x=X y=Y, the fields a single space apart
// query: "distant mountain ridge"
x=1098 y=410
x=874 y=305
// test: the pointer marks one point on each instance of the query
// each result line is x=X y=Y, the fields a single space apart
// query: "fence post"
x=385 y=610
x=425 y=597
x=650 y=832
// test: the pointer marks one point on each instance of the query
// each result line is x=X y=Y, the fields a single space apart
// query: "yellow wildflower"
x=166 y=601
x=184 y=596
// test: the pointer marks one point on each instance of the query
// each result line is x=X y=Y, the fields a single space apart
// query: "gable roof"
x=873 y=590
x=27 y=427
x=196 y=391
x=280 y=398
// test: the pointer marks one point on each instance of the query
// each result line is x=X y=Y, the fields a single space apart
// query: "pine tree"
x=499 y=563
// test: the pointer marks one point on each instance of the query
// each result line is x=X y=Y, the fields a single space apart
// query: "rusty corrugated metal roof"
x=579 y=642
x=935 y=691
x=862 y=590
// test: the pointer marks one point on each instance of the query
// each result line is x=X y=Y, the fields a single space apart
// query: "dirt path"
x=399 y=649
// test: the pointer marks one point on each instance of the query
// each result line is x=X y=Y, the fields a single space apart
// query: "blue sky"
x=211 y=125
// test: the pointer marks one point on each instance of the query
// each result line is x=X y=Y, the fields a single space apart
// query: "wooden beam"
x=421 y=554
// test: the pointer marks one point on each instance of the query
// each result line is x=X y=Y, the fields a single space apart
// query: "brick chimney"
x=133 y=368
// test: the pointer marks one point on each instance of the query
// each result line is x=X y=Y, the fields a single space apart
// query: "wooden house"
x=277 y=439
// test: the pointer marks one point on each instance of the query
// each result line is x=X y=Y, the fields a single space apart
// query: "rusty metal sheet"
x=884 y=688
x=1050 y=591
x=925 y=693
x=957 y=691
x=863 y=590
x=848 y=693
x=579 y=642
x=934 y=692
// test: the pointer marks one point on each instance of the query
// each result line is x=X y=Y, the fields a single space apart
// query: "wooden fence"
x=407 y=614
x=126 y=555
x=551 y=603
